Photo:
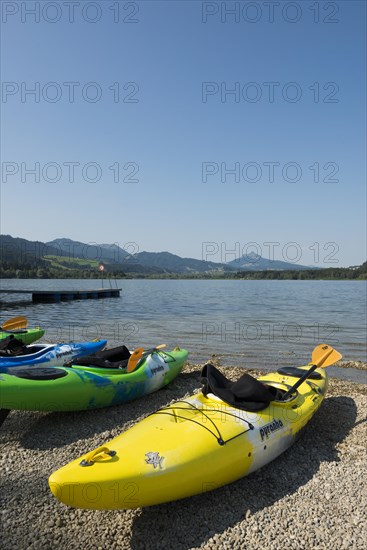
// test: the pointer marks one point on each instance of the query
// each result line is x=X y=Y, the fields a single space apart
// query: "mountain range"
x=67 y=253
x=253 y=262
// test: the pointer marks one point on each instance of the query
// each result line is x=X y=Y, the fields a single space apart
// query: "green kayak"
x=99 y=380
x=27 y=336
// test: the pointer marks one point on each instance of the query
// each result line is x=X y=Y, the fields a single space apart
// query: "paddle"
x=15 y=323
x=138 y=354
x=322 y=356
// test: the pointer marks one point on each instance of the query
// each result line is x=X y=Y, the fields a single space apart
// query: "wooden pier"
x=52 y=296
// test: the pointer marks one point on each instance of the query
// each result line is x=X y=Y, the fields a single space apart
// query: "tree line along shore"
x=11 y=271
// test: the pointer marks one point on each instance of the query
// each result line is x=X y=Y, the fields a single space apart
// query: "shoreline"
x=311 y=496
x=183 y=277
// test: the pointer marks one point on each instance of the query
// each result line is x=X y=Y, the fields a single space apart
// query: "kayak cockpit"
x=13 y=347
x=247 y=393
x=115 y=358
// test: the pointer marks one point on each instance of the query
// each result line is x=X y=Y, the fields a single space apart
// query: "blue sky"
x=279 y=160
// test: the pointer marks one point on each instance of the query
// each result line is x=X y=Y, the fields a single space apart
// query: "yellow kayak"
x=200 y=443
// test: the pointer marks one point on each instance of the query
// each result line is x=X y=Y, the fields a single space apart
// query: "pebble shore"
x=314 y=496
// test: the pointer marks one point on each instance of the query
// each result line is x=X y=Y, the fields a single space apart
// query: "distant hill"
x=162 y=262
x=155 y=262
x=65 y=258
x=175 y=264
x=72 y=257
x=253 y=262
x=16 y=250
x=89 y=251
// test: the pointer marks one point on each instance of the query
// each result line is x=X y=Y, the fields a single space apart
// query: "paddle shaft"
x=152 y=350
x=299 y=382
x=307 y=374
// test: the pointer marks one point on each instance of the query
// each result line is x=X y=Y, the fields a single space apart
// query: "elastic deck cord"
x=217 y=434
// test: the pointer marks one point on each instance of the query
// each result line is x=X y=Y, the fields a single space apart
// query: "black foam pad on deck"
x=37 y=373
x=297 y=373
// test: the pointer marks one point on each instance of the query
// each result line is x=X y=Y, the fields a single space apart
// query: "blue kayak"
x=47 y=355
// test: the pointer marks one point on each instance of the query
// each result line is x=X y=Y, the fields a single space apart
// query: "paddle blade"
x=15 y=323
x=324 y=355
x=134 y=359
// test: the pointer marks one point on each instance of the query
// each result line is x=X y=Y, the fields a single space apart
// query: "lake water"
x=247 y=323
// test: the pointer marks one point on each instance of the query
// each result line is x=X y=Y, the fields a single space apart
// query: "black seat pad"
x=247 y=393
x=38 y=373
x=110 y=359
x=297 y=373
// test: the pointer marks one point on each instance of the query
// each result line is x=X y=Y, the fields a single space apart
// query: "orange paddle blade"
x=134 y=359
x=15 y=323
x=324 y=355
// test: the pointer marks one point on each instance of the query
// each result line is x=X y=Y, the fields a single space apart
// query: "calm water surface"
x=247 y=323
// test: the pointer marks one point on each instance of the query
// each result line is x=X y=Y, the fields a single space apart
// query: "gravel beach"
x=312 y=496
